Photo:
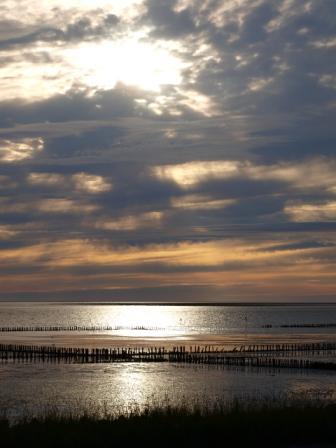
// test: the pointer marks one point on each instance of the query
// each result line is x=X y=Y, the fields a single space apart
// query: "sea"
x=32 y=388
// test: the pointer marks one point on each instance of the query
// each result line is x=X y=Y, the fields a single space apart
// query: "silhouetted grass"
x=273 y=424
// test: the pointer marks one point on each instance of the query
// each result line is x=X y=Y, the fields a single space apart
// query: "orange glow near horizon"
x=231 y=268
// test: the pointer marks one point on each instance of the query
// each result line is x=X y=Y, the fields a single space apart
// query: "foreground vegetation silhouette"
x=271 y=425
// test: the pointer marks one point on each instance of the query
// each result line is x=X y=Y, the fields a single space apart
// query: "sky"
x=168 y=150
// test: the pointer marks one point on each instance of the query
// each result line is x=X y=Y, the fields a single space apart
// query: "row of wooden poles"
x=195 y=355
x=287 y=347
x=32 y=328
x=74 y=328
x=152 y=350
x=325 y=325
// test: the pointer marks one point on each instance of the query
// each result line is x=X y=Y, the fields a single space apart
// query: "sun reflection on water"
x=145 y=321
x=132 y=383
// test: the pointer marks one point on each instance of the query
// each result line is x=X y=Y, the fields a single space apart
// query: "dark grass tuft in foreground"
x=291 y=425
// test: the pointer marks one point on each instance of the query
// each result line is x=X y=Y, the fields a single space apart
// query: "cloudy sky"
x=168 y=150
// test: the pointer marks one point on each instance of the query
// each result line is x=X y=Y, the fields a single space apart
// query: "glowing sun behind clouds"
x=130 y=61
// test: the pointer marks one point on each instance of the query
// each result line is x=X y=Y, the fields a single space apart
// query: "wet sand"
x=103 y=340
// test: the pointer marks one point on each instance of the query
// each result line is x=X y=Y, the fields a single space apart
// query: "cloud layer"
x=168 y=150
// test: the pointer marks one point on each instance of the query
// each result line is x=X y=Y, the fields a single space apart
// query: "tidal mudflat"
x=136 y=356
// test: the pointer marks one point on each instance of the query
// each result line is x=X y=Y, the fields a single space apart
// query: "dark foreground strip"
x=286 y=426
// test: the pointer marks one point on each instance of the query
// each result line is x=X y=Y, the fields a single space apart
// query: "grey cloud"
x=81 y=29
x=72 y=106
x=168 y=23
x=253 y=28
x=307 y=244
x=297 y=149
x=87 y=144
x=271 y=112
x=156 y=294
x=283 y=57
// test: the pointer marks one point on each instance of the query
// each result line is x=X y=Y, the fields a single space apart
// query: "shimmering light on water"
x=144 y=321
x=134 y=320
x=124 y=386
x=119 y=388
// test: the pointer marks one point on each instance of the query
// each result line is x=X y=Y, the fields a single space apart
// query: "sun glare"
x=144 y=321
x=130 y=61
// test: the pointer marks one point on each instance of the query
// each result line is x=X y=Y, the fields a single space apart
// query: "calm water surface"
x=119 y=388
x=27 y=387
x=152 y=320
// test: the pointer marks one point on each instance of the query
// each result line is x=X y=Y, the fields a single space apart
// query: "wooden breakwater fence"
x=71 y=328
x=246 y=356
x=84 y=328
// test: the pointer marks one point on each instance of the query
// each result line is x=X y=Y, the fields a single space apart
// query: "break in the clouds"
x=168 y=150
